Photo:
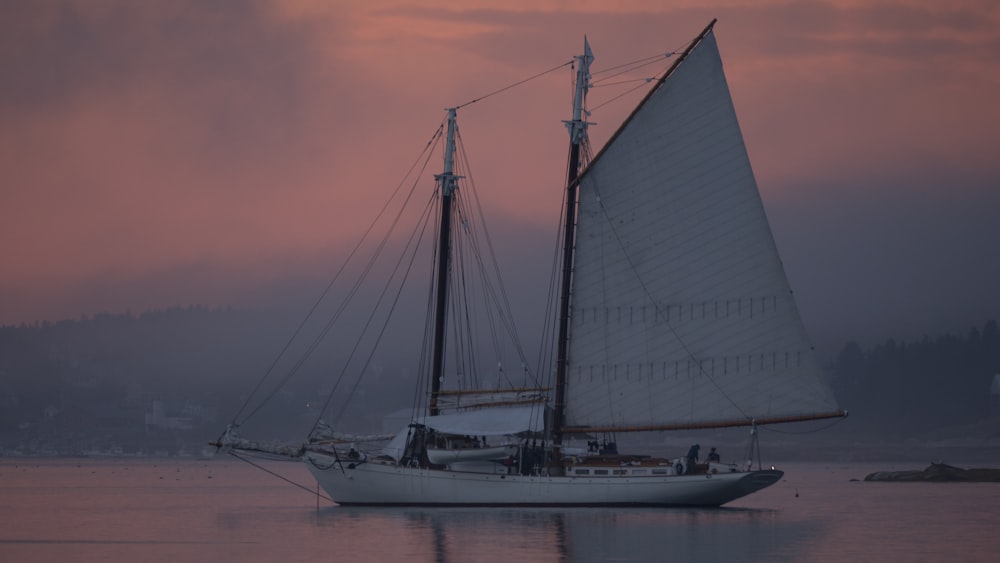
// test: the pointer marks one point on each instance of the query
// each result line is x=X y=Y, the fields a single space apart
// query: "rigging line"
x=629 y=81
x=656 y=304
x=463 y=307
x=645 y=81
x=628 y=70
x=423 y=366
x=548 y=326
x=547 y=353
x=282 y=477
x=502 y=322
x=466 y=307
x=506 y=311
x=371 y=317
x=493 y=305
x=329 y=286
x=458 y=298
x=420 y=399
x=505 y=88
x=353 y=291
x=385 y=324
x=631 y=65
x=465 y=347
x=474 y=286
x=645 y=60
x=623 y=94
x=492 y=299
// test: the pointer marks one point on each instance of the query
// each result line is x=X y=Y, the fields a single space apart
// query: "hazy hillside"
x=171 y=380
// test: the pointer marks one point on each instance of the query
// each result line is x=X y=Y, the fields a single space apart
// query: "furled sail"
x=682 y=315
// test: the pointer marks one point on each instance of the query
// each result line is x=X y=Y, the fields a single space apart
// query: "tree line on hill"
x=910 y=387
x=100 y=375
x=173 y=376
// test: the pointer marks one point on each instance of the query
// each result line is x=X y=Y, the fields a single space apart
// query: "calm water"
x=166 y=510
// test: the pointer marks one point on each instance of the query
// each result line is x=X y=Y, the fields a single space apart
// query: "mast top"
x=447 y=177
x=578 y=126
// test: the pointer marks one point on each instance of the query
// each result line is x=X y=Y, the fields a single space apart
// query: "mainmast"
x=448 y=182
x=577 y=133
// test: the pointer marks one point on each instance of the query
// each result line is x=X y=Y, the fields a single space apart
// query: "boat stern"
x=757 y=480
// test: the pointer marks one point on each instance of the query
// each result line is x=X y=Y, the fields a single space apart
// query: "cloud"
x=156 y=153
x=138 y=134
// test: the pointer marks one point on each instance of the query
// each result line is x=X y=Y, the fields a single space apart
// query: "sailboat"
x=674 y=314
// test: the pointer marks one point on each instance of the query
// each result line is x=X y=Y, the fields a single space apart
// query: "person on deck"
x=692 y=459
x=713 y=455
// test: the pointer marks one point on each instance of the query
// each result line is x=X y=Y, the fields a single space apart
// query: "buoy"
x=796 y=493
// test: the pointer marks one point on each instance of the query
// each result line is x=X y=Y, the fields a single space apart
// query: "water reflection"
x=521 y=534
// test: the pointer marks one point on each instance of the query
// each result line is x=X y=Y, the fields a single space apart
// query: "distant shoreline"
x=921 y=454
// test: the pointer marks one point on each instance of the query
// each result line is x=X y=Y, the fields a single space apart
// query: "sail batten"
x=682 y=316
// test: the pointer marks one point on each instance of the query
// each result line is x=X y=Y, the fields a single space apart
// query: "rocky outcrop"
x=939 y=472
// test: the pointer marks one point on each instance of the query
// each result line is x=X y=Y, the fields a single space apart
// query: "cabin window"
x=640 y=472
x=600 y=472
x=621 y=471
x=659 y=472
x=582 y=471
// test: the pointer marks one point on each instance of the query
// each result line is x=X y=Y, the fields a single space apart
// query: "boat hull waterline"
x=362 y=483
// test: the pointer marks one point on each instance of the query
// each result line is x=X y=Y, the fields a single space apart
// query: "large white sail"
x=681 y=310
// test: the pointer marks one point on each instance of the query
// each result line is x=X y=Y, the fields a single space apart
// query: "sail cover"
x=501 y=421
x=488 y=422
x=681 y=310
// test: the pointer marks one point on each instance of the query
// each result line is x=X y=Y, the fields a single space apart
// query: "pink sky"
x=163 y=153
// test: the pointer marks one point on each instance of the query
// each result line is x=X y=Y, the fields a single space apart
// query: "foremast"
x=447 y=182
x=577 y=134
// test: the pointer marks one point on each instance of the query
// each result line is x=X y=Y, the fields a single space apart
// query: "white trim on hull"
x=370 y=483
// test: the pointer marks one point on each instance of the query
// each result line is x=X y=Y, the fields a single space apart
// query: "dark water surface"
x=225 y=510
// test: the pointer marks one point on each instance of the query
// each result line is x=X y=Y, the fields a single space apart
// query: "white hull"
x=370 y=483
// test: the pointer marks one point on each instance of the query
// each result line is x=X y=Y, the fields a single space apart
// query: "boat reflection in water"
x=520 y=534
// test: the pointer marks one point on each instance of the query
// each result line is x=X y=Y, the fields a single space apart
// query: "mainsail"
x=682 y=315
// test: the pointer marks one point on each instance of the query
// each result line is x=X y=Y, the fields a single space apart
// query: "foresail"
x=681 y=310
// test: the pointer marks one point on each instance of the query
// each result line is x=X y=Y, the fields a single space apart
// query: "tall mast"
x=447 y=182
x=577 y=133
